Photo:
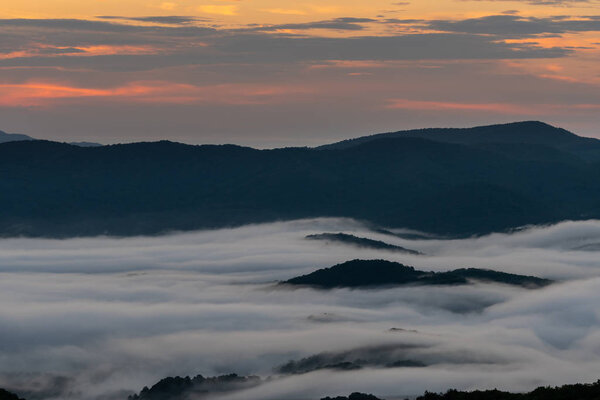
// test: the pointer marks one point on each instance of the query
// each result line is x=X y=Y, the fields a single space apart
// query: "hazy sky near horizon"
x=273 y=73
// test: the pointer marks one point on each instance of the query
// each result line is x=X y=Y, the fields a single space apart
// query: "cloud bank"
x=99 y=318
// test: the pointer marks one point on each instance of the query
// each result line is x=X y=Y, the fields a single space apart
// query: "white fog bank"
x=99 y=318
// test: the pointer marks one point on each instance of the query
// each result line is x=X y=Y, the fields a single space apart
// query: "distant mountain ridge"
x=13 y=137
x=16 y=137
x=198 y=387
x=398 y=181
x=361 y=242
x=526 y=132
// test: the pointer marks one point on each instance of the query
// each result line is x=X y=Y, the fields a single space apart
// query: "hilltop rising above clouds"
x=450 y=182
x=374 y=273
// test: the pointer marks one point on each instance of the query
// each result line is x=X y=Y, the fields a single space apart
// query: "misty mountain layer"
x=384 y=356
x=366 y=243
x=373 y=273
x=454 y=182
x=576 y=391
x=178 y=388
x=17 y=137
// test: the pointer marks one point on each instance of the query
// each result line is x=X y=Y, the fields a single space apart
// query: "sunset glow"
x=299 y=199
x=352 y=58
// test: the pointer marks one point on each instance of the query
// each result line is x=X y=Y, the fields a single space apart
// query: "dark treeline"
x=178 y=388
x=353 y=396
x=383 y=356
x=451 y=182
x=568 y=392
x=6 y=395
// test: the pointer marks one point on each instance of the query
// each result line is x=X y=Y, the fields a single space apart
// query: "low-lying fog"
x=99 y=318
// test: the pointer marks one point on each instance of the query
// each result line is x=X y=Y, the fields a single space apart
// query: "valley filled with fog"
x=100 y=318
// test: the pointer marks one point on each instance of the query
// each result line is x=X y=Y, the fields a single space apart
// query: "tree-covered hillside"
x=53 y=189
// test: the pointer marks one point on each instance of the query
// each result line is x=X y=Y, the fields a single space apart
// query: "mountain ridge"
x=382 y=273
x=18 y=137
x=523 y=132
x=529 y=131
x=455 y=189
x=13 y=137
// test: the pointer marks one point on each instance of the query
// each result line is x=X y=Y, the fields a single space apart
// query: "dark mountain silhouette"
x=373 y=273
x=13 y=137
x=85 y=144
x=571 y=392
x=178 y=388
x=384 y=356
x=521 y=139
x=6 y=395
x=353 y=396
x=567 y=392
x=17 y=137
x=360 y=242
x=455 y=189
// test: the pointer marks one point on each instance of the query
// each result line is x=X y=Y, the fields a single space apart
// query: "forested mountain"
x=173 y=391
x=566 y=392
x=529 y=139
x=429 y=182
x=373 y=273
x=366 y=243
x=198 y=387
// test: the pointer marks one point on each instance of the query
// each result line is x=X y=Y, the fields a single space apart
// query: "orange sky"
x=272 y=62
x=277 y=11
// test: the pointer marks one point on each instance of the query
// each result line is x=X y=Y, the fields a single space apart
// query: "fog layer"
x=99 y=318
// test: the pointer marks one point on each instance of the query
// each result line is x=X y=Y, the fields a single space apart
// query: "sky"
x=272 y=73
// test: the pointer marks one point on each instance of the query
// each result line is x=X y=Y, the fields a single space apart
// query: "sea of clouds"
x=99 y=318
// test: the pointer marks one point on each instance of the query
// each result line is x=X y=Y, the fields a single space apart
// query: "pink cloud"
x=45 y=94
